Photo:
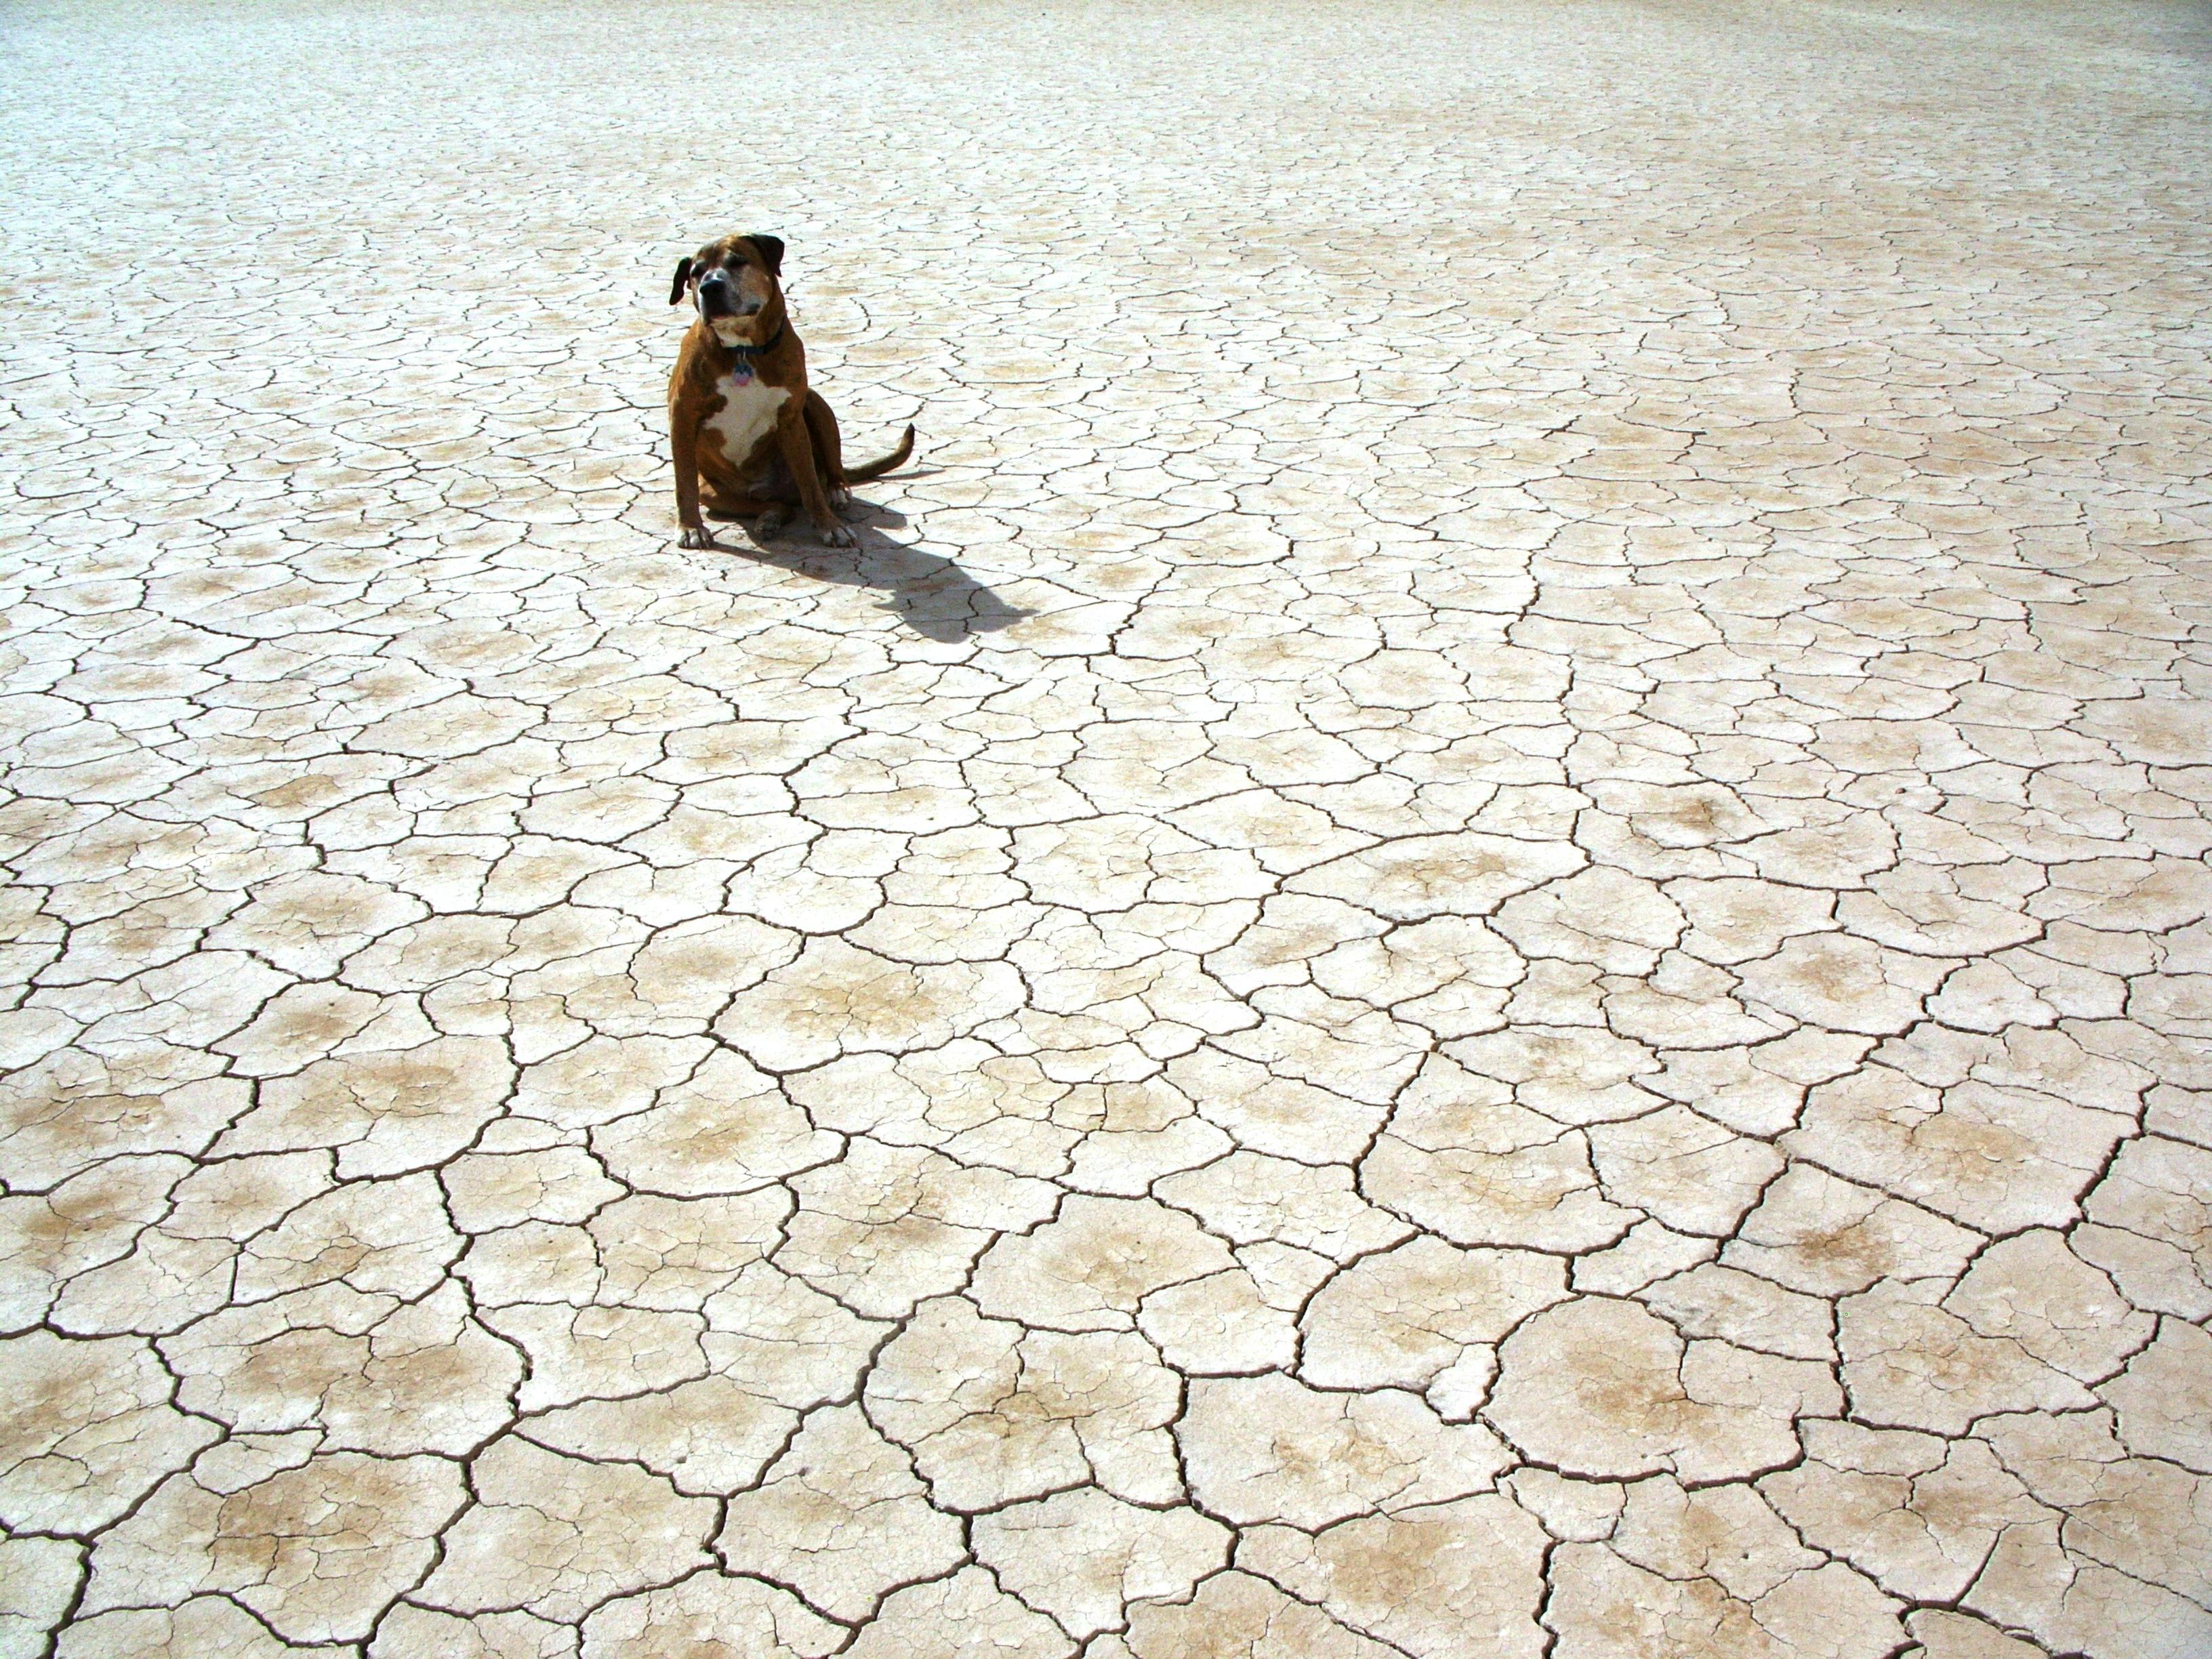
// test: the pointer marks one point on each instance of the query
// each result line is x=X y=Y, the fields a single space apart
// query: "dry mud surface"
x=1478 y=930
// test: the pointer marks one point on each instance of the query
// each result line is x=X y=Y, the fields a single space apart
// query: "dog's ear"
x=771 y=250
x=683 y=276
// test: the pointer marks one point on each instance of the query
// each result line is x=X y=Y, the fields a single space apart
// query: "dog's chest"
x=747 y=415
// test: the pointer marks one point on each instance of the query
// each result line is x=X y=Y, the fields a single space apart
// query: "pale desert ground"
x=1478 y=930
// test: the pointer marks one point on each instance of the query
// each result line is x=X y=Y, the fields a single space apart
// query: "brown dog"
x=743 y=420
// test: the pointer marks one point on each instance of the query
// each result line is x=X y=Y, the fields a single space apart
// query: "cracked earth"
x=1478 y=928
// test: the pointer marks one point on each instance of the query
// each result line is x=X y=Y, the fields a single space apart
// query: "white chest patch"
x=747 y=415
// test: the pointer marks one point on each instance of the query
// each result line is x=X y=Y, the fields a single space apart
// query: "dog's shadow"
x=929 y=593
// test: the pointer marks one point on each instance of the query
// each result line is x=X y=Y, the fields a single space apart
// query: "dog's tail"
x=891 y=463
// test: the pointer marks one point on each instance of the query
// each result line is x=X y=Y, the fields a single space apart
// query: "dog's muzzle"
x=719 y=297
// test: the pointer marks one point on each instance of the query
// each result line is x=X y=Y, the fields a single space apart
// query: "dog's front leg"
x=797 y=446
x=683 y=441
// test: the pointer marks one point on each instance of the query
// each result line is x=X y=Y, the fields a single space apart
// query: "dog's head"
x=732 y=282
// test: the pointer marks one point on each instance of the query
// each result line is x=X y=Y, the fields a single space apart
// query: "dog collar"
x=745 y=355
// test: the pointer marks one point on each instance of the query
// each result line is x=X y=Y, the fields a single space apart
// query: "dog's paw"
x=696 y=537
x=770 y=523
x=836 y=535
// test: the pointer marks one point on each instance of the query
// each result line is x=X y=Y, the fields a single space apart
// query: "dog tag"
x=743 y=374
